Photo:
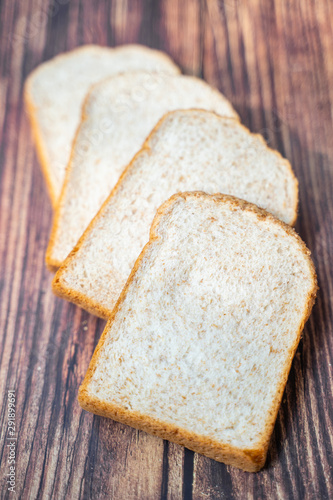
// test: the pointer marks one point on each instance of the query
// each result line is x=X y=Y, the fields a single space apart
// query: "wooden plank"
x=273 y=61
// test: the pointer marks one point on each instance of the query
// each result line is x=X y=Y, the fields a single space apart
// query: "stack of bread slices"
x=173 y=222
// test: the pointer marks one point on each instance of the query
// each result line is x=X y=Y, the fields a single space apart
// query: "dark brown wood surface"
x=274 y=60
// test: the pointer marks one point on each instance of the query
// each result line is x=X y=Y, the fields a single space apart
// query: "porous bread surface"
x=56 y=89
x=189 y=150
x=118 y=116
x=204 y=333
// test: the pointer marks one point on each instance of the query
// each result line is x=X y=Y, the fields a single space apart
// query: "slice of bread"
x=200 y=344
x=188 y=150
x=118 y=115
x=54 y=93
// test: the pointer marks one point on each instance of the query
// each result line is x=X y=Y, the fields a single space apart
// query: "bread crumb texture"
x=188 y=150
x=200 y=344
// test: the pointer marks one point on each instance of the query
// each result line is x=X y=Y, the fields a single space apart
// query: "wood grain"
x=273 y=60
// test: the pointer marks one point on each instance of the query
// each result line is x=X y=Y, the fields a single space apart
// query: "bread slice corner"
x=72 y=295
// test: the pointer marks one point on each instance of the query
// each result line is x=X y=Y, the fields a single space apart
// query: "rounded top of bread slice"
x=202 y=337
x=246 y=166
x=88 y=64
x=55 y=90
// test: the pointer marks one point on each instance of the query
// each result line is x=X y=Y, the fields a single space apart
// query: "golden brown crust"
x=38 y=140
x=250 y=460
x=51 y=263
x=31 y=109
x=78 y=298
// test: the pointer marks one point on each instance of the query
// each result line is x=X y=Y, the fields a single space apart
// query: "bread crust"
x=37 y=137
x=51 y=263
x=31 y=109
x=79 y=298
x=249 y=459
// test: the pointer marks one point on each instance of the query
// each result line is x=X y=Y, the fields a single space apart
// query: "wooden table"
x=274 y=61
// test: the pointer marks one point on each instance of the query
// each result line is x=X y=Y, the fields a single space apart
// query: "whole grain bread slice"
x=118 y=115
x=55 y=90
x=200 y=343
x=188 y=150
